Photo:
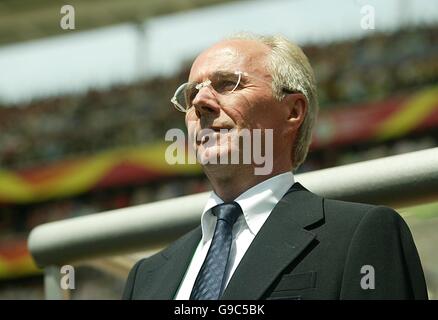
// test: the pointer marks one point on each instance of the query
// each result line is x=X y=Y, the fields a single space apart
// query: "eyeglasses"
x=222 y=82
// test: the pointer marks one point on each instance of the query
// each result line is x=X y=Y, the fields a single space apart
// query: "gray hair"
x=290 y=69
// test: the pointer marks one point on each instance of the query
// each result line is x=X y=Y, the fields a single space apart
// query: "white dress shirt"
x=256 y=203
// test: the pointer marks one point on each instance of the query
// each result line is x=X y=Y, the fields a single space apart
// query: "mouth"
x=207 y=133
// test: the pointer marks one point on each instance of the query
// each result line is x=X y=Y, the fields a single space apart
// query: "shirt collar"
x=256 y=203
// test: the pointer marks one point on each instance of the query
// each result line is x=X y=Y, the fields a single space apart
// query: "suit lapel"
x=166 y=280
x=280 y=241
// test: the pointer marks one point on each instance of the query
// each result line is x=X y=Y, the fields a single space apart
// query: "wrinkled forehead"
x=232 y=55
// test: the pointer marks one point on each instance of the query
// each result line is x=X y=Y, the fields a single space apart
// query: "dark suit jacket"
x=309 y=248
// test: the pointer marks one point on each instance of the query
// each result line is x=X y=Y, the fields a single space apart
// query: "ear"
x=297 y=107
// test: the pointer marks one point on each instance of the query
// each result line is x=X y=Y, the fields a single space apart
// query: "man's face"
x=250 y=106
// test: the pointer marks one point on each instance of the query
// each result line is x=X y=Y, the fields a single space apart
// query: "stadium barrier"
x=396 y=181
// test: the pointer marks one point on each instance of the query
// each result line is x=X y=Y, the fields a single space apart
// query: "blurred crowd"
x=347 y=72
x=57 y=128
x=375 y=67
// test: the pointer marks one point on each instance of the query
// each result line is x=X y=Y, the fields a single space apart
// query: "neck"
x=228 y=184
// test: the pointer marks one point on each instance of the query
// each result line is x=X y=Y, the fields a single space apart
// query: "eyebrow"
x=218 y=73
x=223 y=73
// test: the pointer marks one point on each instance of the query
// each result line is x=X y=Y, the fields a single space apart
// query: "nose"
x=205 y=102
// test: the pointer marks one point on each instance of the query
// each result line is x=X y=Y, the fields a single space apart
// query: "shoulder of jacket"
x=356 y=211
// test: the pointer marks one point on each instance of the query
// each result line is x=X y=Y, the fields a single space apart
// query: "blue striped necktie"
x=210 y=281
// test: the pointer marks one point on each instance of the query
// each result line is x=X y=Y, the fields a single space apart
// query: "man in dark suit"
x=262 y=235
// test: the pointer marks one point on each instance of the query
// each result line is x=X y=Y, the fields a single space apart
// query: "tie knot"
x=228 y=212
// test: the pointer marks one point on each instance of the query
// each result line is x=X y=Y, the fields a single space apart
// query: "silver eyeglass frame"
x=207 y=82
x=199 y=86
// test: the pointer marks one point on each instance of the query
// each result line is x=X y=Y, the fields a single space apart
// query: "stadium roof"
x=29 y=19
x=146 y=46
